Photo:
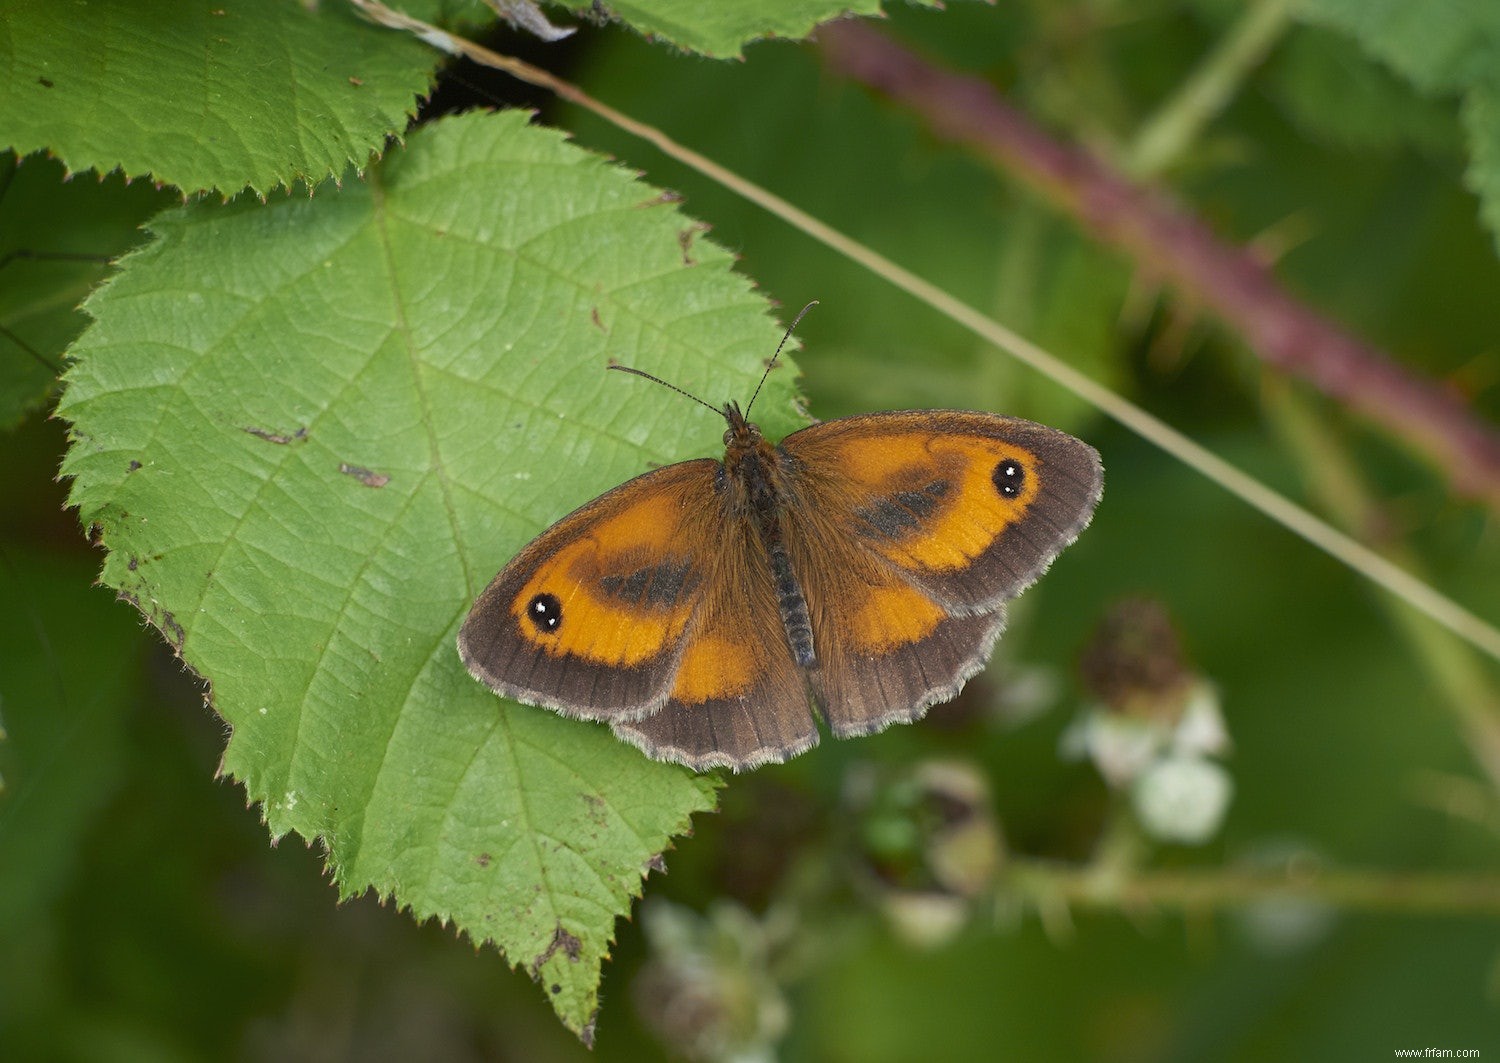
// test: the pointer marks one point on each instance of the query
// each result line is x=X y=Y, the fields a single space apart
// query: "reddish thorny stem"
x=1230 y=281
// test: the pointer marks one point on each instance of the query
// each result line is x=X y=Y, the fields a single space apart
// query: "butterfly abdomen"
x=792 y=604
x=757 y=468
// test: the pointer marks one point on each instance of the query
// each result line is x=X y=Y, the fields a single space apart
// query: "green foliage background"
x=306 y=430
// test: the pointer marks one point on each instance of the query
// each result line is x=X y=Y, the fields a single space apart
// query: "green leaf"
x=205 y=95
x=1341 y=96
x=55 y=238
x=310 y=432
x=1481 y=116
x=1442 y=47
x=721 y=29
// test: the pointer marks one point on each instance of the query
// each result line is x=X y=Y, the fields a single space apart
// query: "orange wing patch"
x=714 y=668
x=596 y=627
x=937 y=504
x=738 y=697
x=890 y=616
x=623 y=596
x=970 y=507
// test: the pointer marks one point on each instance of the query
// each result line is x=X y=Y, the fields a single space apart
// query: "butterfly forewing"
x=591 y=618
x=972 y=507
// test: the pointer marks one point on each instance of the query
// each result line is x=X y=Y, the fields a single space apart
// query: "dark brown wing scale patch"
x=654 y=586
x=897 y=515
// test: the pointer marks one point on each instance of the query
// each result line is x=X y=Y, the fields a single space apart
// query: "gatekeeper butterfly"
x=860 y=569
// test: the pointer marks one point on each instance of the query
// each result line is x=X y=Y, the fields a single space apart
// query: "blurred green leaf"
x=71 y=654
x=56 y=237
x=309 y=434
x=1481 y=115
x=1443 y=46
x=1337 y=93
x=1065 y=293
x=205 y=95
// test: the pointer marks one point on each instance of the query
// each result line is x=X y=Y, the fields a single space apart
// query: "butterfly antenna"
x=663 y=383
x=772 y=363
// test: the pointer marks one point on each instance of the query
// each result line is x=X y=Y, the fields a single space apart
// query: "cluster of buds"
x=1153 y=728
x=927 y=847
x=708 y=990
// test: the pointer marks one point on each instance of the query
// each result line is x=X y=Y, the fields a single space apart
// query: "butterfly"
x=858 y=570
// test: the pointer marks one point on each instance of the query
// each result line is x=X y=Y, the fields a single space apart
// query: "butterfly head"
x=740 y=433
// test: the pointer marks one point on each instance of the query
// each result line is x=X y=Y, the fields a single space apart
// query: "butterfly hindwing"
x=738 y=699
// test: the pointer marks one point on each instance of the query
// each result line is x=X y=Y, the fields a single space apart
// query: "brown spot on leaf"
x=594 y=317
x=686 y=238
x=172 y=630
x=658 y=862
x=483 y=859
x=134 y=465
x=598 y=809
x=665 y=198
x=45 y=83
x=133 y=564
x=567 y=943
x=356 y=82
x=368 y=477
x=279 y=438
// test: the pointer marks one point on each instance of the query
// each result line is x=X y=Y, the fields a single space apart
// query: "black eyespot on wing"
x=545 y=611
x=1009 y=477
